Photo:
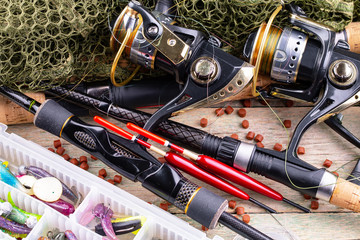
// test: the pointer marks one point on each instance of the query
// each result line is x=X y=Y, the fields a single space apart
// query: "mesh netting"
x=66 y=40
x=234 y=20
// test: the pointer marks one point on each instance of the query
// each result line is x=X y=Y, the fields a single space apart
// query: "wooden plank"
x=11 y=113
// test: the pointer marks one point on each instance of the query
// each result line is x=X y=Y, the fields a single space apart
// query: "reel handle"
x=335 y=122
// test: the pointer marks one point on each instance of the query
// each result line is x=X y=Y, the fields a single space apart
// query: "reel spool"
x=290 y=56
x=284 y=55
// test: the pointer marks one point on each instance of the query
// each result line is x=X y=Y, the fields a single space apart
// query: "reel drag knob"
x=204 y=70
x=342 y=73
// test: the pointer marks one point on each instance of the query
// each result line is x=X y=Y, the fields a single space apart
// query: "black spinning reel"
x=151 y=40
x=319 y=69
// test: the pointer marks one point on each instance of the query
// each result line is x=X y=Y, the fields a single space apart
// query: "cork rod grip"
x=353 y=34
x=347 y=195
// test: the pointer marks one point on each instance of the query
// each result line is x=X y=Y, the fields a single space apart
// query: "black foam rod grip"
x=145 y=93
x=51 y=117
x=206 y=207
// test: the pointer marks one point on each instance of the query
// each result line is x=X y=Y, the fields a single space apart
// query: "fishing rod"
x=132 y=161
x=243 y=156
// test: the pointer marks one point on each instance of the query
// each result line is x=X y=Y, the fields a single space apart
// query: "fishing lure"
x=14 y=214
x=28 y=214
x=105 y=214
x=15 y=235
x=70 y=235
x=61 y=206
x=41 y=173
x=124 y=225
x=7 y=177
x=14 y=226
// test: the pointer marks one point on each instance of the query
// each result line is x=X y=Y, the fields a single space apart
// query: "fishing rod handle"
x=347 y=195
x=352 y=32
x=198 y=203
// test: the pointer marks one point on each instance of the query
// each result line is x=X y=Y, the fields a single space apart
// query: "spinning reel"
x=317 y=69
x=209 y=74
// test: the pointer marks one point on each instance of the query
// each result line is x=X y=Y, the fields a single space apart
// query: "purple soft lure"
x=14 y=226
x=70 y=235
x=105 y=214
x=61 y=206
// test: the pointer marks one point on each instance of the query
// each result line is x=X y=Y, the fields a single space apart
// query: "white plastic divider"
x=159 y=225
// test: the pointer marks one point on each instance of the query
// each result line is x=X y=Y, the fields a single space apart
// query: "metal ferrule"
x=326 y=186
x=288 y=54
x=243 y=156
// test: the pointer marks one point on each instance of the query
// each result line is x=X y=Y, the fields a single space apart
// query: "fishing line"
x=272 y=215
x=286 y=151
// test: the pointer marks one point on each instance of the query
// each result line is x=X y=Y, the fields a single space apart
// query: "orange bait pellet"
x=250 y=135
x=277 y=147
x=234 y=136
x=60 y=150
x=245 y=124
x=247 y=103
x=203 y=122
x=327 y=163
x=259 y=138
x=219 y=112
x=287 y=123
x=229 y=110
x=74 y=161
x=246 y=218
x=232 y=204
x=242 y=112
x=117 y=178
x=240 y=210
x=103 y=172
x=57 y=143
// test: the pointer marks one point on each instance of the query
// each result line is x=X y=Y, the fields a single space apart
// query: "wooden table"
x=327 y=222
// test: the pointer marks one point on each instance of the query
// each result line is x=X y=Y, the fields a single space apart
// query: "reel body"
x=317 y=69
x=209 y=75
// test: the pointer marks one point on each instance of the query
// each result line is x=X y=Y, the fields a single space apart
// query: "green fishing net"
x=60 y=41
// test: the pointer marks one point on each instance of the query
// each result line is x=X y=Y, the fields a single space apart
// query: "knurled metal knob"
x=204 y=70
x=343 y=71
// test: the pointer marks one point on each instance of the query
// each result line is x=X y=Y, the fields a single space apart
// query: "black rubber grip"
x=274 y=168
x=206 y=208
x=156 y=92
x=51 y=117
x=241 y=228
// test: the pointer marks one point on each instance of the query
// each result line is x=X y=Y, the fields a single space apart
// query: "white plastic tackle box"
x=19 y=151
